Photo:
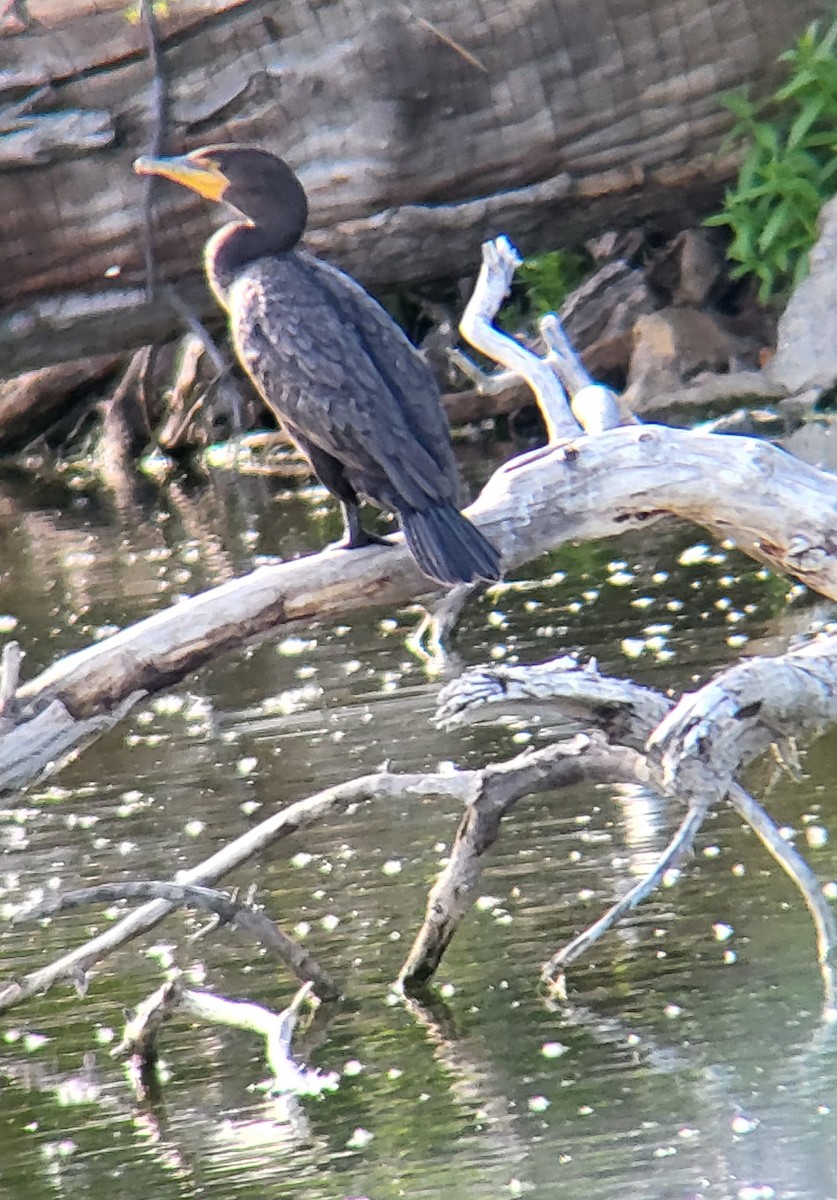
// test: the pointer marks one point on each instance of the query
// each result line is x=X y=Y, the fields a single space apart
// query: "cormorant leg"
x=355 y=535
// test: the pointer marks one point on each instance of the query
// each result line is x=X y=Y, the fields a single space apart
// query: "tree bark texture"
x=417 y=130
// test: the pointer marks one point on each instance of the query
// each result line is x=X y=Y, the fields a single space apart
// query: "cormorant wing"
x=337 y=369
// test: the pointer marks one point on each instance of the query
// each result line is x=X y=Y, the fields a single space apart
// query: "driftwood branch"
x=797 y=869
x=300 y=815
x=51 y=737
x=500 y=260
x=695 y=750
x=10 y=661
x=498 y=789
x=712 y=733
x=553 y=971
x=139 y=1040
x=242 y=916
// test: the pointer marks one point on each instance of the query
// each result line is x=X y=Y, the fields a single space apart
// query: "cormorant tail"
x=447 y=546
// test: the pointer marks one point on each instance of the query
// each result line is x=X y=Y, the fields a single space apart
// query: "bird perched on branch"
x=351 y=390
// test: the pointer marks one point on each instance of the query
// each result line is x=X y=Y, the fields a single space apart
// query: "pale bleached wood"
x=695 y=749
x=774 y=506
x=553 y=972
x=41 y=743
x=626 y=712
x=500 y=260
x=712 y=732
x=384 y=786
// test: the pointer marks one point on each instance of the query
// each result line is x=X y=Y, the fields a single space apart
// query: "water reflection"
x=690 y=1064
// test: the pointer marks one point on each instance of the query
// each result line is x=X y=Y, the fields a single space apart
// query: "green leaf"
x=774 y=227
x=800 y=271
x=739 y=103
x=809 y=115
x=788 y=168
x=797 y=83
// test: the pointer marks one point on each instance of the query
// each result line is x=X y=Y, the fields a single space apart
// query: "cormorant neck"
x=234 y=246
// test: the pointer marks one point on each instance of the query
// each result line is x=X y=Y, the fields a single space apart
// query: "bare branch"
x=499 y=262
x=625 y=712
x=623 y=479
x=711 y=733
x=9 y=678
x=553 y=972
x=50 y=738
x=497 y=790
x=798 y=871
x=242 y=916
x=704 y=740
x=300 y=815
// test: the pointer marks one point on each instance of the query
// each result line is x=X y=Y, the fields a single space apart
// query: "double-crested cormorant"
x=352 y=391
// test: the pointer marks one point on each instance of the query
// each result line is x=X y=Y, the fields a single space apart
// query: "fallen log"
x=419 y=131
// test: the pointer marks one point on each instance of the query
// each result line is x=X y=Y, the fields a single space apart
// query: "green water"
x=687 y=1064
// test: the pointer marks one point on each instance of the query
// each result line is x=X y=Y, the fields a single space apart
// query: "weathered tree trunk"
x=417 y=131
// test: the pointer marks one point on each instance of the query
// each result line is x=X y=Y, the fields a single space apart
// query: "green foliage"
x=789 y=168
x=541 y=286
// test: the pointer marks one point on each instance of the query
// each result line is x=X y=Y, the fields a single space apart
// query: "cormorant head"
x=262 y=187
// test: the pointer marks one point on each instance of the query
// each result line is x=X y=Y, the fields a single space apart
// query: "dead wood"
x=73 y=965
x=498 y=789
x=32 y=404
x=9 y=678
x=126 y=421
x=694 y=750
x=386 y=111
x=241 y=915
x=49 y=737
x=775 y=507
x=553 y=972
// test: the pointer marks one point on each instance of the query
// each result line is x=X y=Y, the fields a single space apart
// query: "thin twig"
x=240 y=915
x=798 y=871
x=139 y=1039
x=457 y=47
x=9 y=677
x=553 y=971
x=159 y=108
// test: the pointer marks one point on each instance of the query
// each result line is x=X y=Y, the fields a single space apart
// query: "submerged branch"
x=242 y=916
x=139 y=1039
x=497 y=790
x=695 y=750
x=553 y=971
x=300 y=815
